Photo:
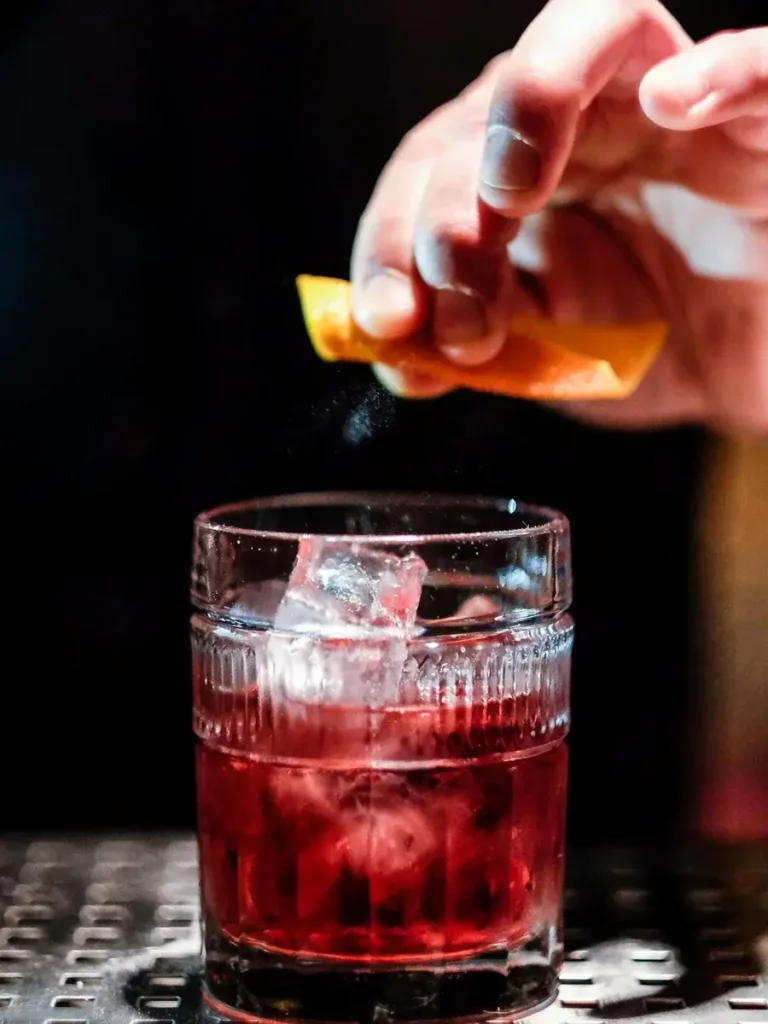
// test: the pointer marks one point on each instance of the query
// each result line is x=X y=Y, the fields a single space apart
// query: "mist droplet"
x=371 y=416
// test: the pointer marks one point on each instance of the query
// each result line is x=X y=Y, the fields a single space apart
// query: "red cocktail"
x=399 y=859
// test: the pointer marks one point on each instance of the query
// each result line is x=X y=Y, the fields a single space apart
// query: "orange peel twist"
x=541 y=359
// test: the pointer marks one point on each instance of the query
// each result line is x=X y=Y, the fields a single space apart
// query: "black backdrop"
x=166 y=168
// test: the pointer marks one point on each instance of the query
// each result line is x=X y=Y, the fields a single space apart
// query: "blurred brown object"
x=732 y=797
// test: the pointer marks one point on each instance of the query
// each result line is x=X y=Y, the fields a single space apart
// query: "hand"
x=604 y=170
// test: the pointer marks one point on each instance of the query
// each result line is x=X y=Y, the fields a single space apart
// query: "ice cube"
x=351 y=590
x=342 y=626
x=390 y=843
x=256 y=603
x=306 y=796
x=366 y=671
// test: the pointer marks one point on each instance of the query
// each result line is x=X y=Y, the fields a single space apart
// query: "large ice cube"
x=343 y=623
x=351 y=590
x=390 y=848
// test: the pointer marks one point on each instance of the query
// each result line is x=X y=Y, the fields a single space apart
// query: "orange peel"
x=541 y=359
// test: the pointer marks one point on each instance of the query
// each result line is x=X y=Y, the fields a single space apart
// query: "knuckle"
x=471 y=117
x=448 y=252
x=423 y=141
x=534 y=95
x=724 y=35
x=449 y=215
x=488 y=76
x=495 y=65
x=452 y=234
x=636 y=14
x=383 y=237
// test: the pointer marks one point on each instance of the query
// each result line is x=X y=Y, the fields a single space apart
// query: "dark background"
x=166 y=168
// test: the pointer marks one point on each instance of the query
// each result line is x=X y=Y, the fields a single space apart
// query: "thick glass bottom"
x=250 y=985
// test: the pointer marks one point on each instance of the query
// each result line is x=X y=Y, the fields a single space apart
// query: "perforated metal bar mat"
x=97 y=930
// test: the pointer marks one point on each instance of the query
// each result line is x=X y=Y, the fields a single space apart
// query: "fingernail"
x=471 y=353
x=409 y=384
x=677 y=91
x=510 y=162
x=705 y=106
x=677 y=111
x=459 y=317
x=385 y=303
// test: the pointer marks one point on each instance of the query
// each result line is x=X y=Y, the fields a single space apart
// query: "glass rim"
x=554 y=522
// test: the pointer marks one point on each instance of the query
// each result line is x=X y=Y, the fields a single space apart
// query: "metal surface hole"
x=54 y=872
x=657 y=978
x=151 y=1020
x=122 y=851
x=114 y=871
x=574 y=975
x=21 y=936
x=577 y=955
x=161 y=936
x=182 y=849
x=58 y=852
x=178 y=892
x=72 y=1002
x=81 y=980
x=724 y=934
x=706 y=899
x=39 y=892
x=737 y=980
x=168 y=965
x=14 y=956
x=188 y=866
x=6 y=1001
x=576 y=937
x=624 y=870
x=576 y=1002
x=65 y=1020
x=159 y=1002
x=644 y=934
x=110 y=892
x=88 y=956
x=728 y=956
x=9 y=979
x=85 y=936
x=650 y=955
x=663 y=1004
x=166 y=981
x=631 y=899
x=28 y=912
x=748 y=1004
x=103 y=913
x=176 y=913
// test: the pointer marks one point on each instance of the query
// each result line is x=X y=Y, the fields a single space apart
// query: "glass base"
x=249 y=985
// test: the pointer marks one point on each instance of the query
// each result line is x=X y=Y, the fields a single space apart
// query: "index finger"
x=389 y=299
x=568 y=54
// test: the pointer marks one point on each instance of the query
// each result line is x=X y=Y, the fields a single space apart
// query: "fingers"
x=431 y=248
x=409 y=385
x=723 y=79
x=720 y=88
x=566 y=57
x=460 y=245
x=427 y=247
x=389 y=300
